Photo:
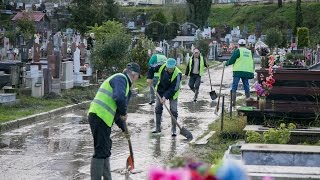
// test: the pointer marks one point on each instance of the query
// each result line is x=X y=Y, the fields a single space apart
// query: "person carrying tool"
x=109 y=106
x=195 y=69
x=243 y=68
x=168 y=88
x=156 y=59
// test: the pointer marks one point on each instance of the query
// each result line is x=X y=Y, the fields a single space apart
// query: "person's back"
x=156 y=59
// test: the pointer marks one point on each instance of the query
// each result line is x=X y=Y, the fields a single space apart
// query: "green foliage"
x=155 y=31
x=139 y=53
x=303 y=37
x=109 y=27
x=199 y=11
x=280 y=135
x=83 y=15
x=274 y=38
x=26 y=25
x=299 y=16
x=159 y=16
x=253 y=137
x=110 y=55
x=203 y=45
x=171 y=30
x=111 y=49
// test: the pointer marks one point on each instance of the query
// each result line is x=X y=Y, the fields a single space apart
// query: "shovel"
x=217 y=107
x=130 y=160
x=183 y=131
x=212 y=93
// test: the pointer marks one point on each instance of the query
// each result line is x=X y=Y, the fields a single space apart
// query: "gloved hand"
x=163 y=100
x=149 y=81
x=225 y=63
x=124 y=118
x=127 y=135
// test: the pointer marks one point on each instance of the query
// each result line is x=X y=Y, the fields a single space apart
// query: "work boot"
x=151 y=102
x=233 y=98
x=173 y=127
x=97 y=168
x=106 y=170
x=158 y=124
x=196 y=92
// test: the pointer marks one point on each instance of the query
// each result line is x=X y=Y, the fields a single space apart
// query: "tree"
x=199 y=11
x=139 y=53
x=274 y=38
x=303 y=37
x=83 y=15
x=111 y=47
x=280 y=3
x=299 y=18
x=107 y=11
x=26 y=25
x=159 y=16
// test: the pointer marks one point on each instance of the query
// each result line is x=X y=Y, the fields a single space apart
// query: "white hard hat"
x=242 y=42
x=159 y=49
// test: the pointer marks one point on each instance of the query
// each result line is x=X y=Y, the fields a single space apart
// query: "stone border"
x=15 y=124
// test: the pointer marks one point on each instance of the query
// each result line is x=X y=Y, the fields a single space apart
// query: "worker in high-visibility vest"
x=156 y=59
x=109 y=106
x=243 y=68
x=168 y=88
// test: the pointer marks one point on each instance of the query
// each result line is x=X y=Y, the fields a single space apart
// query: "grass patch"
x=214 y=150
x=30 y=105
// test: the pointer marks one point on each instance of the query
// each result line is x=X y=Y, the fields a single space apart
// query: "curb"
x=15 y=124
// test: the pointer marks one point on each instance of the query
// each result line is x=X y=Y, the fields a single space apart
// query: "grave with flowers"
x=290 y=94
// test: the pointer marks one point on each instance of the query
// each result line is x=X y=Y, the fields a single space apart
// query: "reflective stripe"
x=105 y=106
x=106 y=92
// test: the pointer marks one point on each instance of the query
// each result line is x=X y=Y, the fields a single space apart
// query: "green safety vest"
x=201 y=64
x=161 y=59
x=103 y=105
x=245 y=62
x=175 y=74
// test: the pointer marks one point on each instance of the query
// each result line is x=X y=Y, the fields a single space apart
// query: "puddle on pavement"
x=61 y=148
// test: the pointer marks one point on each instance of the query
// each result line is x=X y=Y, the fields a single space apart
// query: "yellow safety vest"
x=244 y=62
x=175 y=74
x=103 y=105
x=201 y=64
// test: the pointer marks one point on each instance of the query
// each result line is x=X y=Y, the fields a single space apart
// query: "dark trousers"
x=101 y=137
x=194 y=82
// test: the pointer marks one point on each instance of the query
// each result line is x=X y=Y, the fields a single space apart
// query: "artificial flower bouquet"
x=194 y=170
x=263 y=88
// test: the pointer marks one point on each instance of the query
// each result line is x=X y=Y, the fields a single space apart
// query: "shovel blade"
x=213 y=95
x=130 y=163
x=184 y=132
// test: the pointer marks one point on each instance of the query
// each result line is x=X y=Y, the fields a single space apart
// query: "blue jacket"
x=166 y=88
x=119 y=84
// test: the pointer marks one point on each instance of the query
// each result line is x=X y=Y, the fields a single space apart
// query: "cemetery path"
x=62 y=147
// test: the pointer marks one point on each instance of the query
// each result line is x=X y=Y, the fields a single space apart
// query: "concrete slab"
x=283 y=172
x=203 y=140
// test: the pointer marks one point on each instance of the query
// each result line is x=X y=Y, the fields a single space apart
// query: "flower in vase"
x=263 y=89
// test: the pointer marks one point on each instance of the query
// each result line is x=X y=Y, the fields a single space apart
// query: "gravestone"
x=52 y=65
x=47 y=80
x=67 y=75
x=77 y=76
x=73 y=48
x=36 y=52
x=49 y=48
x=83 y=51
x=58 y=60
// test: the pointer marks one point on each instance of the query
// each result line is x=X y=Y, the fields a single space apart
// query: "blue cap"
x=171 y=63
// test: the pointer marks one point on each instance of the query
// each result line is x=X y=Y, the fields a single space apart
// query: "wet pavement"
x=61 y=148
